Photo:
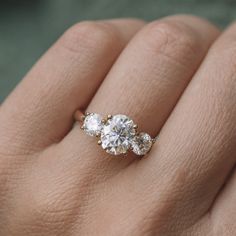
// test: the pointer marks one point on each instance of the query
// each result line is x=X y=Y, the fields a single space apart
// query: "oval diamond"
x=141 y=144
x=93 y=124
x=117 y=134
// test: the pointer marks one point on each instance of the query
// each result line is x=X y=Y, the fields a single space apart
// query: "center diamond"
x=117 y=134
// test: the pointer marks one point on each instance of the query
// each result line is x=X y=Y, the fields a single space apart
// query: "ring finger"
x=149 y=77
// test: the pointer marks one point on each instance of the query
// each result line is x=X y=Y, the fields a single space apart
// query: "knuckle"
x=176 y=40
x=90 y=35
x=52 y=206
x=45 y=209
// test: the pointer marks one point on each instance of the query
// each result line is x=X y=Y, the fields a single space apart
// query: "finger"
x=197 y=146
x=40 y=110
x=150 y=75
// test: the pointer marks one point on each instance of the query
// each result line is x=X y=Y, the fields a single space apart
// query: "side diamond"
x=93 y=124
x=141 y=144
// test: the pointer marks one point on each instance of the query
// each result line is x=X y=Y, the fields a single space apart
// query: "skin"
x=174 y=77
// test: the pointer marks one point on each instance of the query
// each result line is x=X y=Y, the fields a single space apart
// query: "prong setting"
x=117 y=134
x=109 y=117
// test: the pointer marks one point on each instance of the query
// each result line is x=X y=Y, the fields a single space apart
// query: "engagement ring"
x=117 y=134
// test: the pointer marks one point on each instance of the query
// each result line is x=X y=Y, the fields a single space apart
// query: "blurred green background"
x=29 y=27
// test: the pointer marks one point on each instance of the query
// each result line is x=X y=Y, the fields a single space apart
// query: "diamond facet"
x=117 y=134
x=93 y=124
x=141 y=144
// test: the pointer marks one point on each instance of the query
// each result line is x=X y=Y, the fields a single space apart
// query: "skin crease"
x=175 y=76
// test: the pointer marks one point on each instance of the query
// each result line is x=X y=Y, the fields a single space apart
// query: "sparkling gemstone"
x=117 y=134
x=141 y=144
x=93 y=124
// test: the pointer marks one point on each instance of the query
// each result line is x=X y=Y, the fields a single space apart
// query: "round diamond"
x=117 y=134
x=93 y=124
x=141 y=144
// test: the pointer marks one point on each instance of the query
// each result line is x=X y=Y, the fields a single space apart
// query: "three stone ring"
x=117 y=134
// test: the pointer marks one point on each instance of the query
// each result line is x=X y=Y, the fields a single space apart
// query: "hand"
x=175 y=77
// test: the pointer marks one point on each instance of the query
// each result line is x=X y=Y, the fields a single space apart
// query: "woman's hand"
x=175 y=76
